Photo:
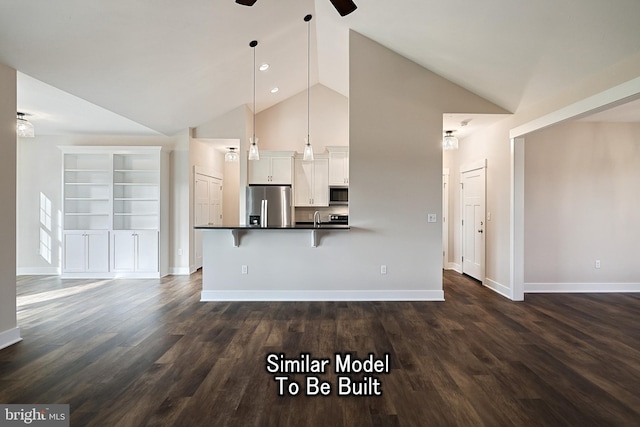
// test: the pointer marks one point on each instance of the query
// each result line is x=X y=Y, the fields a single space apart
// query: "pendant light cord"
x=254 y=94
x=308 y=78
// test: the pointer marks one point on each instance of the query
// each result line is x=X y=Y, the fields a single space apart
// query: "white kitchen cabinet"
x=134 y=251
x=273 y=168
x=115 y=212
x=338 y=166
x=86 y=251
x=311 y=187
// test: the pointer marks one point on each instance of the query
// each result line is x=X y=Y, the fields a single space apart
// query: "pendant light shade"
x=308 y=149
x=254 y=154
x=231 y=155
x=24 y=129
x=449 y=142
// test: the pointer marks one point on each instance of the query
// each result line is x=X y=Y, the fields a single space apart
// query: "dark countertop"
x=299 y=226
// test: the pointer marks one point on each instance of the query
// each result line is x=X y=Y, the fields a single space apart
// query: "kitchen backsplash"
x=306 y=214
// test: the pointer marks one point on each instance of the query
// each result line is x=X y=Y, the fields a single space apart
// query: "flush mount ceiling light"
x=231 y=155
x=24 y=129
x=449 y=142
x=264 y=67
x=344 y=7
x=308 y=150
x=275 y=90
x=254 y=154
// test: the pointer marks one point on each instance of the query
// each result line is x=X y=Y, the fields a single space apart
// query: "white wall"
x=581 y=189
x=179 y=205
x=284 y=126
x=494 y=144
x=9 y=332
x=40 y=175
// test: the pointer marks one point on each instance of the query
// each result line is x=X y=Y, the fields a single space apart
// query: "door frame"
x=468 y=167
x=445 y=218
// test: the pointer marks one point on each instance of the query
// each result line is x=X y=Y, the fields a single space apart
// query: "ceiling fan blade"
x=246 y=2
x=344 y=7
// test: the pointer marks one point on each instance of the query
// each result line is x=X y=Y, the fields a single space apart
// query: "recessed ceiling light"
x=264 y=67
x=274 y=90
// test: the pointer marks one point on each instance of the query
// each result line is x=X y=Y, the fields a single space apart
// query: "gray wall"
x=395 y=109
x=581 y=202
x=8 y=324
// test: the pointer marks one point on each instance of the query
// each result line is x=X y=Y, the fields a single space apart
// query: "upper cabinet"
x=312 y=186
x=273 y=168
x=338 y=166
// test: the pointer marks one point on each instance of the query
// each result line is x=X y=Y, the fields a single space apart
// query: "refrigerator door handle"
x=263 y=213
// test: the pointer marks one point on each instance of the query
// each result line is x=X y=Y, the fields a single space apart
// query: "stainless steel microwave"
x=338 y=196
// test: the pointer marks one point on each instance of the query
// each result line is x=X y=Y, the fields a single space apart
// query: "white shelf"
x=86 y=214
x=134 y=214
x=136 y=170
x=87 y=183
x=135 y=199
x=87 y=199
x=142 y=184
x=88 y=170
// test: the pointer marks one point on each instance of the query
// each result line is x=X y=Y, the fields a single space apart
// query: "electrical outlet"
x=432 y=218
x=180 y=252
x=383 y=269
x=597 y=264
x=488 y=216
x=245 y=269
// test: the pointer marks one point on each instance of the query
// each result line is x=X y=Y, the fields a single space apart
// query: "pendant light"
x=231 y=155
x=449 y=142
x=308 y=150
x=254 y=154
x=24 y=129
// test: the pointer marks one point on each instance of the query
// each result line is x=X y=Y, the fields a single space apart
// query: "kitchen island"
x=302 y=263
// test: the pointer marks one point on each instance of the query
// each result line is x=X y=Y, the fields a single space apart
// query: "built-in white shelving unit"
x=115 y=202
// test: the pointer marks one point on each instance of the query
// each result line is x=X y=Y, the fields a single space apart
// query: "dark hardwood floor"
x=147 y=352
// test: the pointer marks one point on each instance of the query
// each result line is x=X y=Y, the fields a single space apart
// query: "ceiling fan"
x=344 y=7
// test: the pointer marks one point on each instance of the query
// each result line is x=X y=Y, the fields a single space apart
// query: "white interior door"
x=201 y=213
x=473 y=222
x=215 y=201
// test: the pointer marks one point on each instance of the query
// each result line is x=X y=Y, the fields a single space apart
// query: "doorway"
x=473 y=196
x=207 y=208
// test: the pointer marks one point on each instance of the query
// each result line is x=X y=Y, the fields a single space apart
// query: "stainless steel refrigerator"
x=269 y=205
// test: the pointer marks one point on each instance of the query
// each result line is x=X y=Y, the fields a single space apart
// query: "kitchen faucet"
x=316 y=219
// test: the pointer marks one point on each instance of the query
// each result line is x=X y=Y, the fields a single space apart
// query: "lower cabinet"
x=134 y=251
x=85 y=251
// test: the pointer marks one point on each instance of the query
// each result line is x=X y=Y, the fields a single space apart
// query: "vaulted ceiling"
x=165 y=65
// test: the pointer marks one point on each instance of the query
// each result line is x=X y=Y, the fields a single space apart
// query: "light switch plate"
x=432 y=218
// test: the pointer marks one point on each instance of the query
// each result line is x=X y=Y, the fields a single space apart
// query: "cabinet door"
x=338 y=168
x=281 y=170
x=303 y=183
x=74 y=254
x=320 y=194
x=147 y=251
x=97 y=251
x=260 y=171
x=123 y=251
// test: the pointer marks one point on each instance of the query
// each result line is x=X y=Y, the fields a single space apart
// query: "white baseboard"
x=533 y=288
x=179 y=271
x=453 y=266
x=9 y=337
x=297 y=295
x=497 y=287
x=38 y=271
